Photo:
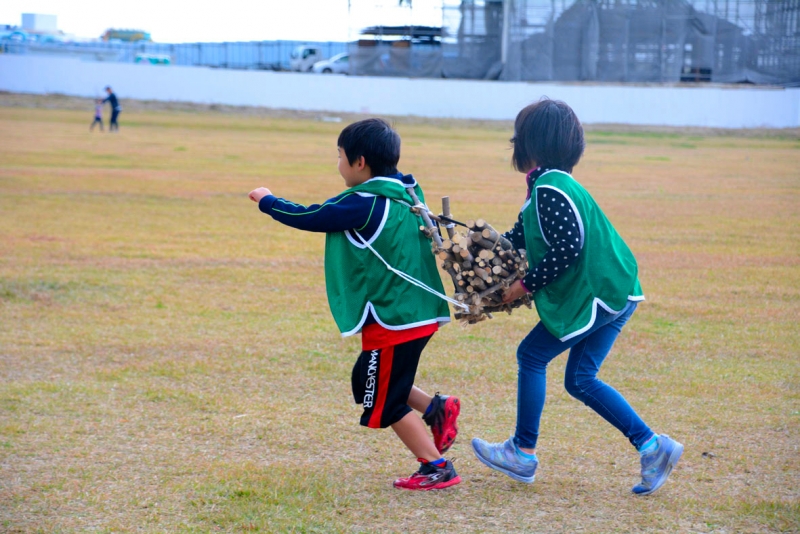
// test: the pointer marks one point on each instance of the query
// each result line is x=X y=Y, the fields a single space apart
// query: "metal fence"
x=274 y=55
x=729 y=41
x=755 y=41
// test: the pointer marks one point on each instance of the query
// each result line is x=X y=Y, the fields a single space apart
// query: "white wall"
x=705 y=106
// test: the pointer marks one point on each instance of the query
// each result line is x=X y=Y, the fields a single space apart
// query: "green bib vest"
x=604 y=274
x=358 y=282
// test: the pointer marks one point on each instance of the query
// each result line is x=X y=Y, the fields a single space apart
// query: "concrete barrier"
x=713 y=106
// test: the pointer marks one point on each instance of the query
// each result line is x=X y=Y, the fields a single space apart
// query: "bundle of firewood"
x=481 y=262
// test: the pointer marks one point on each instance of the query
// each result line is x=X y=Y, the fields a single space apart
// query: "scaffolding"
x=728 y=41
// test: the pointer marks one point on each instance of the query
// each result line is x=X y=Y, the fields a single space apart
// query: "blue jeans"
x=586 y=355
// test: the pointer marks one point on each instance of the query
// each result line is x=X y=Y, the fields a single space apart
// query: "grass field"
x=168 y=362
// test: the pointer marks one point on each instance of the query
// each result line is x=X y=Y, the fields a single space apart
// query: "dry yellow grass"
x=168 y=362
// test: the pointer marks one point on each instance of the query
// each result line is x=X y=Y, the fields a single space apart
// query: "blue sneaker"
x=506 y=458
x=657 y=465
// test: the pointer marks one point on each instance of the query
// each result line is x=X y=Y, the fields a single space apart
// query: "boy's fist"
x=259 y=193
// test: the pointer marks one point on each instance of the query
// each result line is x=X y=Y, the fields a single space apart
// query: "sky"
x=182 y=21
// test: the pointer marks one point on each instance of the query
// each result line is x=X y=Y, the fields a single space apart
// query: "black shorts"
x=382 y=380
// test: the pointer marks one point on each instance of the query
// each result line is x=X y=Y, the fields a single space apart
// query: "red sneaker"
x=442 y=420
x=430 y=477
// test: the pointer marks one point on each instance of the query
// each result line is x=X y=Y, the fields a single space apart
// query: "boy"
x=98 y=115
x=368 y=226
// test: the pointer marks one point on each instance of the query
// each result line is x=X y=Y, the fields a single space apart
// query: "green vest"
x=605 y=274
x=358 y=282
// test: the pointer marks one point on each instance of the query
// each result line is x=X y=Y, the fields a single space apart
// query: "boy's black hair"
x=376 y=141
x=549 y=134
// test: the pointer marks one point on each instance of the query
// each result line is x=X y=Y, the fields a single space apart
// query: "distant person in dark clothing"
x=98 y=115
x=115 y=109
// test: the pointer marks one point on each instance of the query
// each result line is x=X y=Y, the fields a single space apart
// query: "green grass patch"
x=169 y=363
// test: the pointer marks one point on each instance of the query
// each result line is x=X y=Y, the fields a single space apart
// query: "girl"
x=584 y=282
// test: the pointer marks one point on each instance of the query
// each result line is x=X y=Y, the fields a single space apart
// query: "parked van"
x=304 y=57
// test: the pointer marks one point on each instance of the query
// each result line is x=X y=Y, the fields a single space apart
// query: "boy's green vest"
x=358 y=282
x=604 y=274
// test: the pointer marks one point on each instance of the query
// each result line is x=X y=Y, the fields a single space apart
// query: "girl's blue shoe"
x=506 y=458
x=657 y=465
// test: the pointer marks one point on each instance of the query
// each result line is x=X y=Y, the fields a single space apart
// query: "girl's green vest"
x=604 y=274
x=358 y=282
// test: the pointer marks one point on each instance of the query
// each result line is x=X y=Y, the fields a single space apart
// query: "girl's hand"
x=514 y=292
x=259 y=193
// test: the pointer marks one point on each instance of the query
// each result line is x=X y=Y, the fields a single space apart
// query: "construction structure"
x=726 y=41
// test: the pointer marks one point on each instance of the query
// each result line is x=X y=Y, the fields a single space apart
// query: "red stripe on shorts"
x=385 y=374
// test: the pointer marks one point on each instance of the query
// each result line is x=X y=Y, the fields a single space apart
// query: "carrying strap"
x=410 y=279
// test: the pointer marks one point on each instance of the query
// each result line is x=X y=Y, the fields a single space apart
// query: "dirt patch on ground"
x=59 y=101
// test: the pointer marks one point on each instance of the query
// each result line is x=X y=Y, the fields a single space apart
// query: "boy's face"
x=354 y=174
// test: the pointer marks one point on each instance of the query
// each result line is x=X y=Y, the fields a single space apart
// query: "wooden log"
x=477 y=283
x=490 y=234
x=425 y=217
x=448 y=267
x=446 y=212
x=493 y=235
x=486 y=254
x=466 y=255
x=446 y=255
x=500 y=271
x=479 y=241
x=483 y=273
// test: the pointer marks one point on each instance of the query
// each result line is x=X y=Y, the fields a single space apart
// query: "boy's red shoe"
x=442 y=420
x=430 y=477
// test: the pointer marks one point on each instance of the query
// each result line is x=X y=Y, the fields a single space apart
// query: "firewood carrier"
x=481 y=262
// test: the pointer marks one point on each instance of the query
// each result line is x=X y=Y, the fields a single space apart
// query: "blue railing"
x=273 y=55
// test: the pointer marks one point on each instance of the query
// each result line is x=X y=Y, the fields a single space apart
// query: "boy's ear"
x=361 y=163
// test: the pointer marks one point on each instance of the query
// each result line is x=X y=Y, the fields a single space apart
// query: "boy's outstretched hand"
x=517 y=290
x=259 y=193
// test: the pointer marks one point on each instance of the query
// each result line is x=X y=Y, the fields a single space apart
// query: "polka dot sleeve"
x=517 y=234
x=562 y=232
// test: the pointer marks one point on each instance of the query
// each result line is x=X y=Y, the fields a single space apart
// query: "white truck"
x=303 y=58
